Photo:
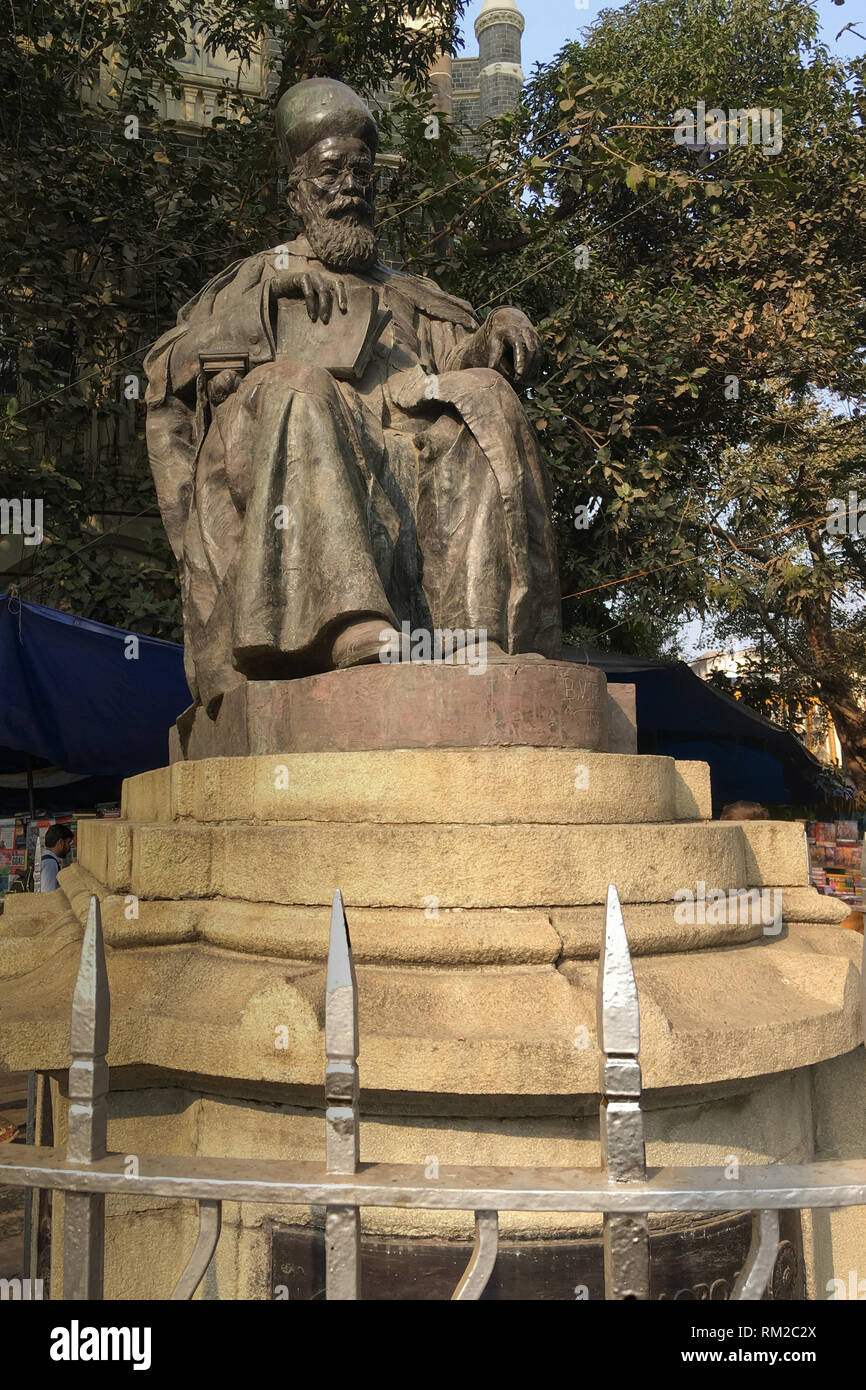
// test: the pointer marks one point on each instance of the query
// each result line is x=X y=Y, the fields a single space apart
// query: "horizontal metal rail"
x=624 y=1190
x=775 y=1187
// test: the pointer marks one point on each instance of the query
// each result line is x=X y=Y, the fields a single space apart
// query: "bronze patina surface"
x=307 y=511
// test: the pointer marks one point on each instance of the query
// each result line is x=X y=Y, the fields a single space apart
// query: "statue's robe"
x=300 y=503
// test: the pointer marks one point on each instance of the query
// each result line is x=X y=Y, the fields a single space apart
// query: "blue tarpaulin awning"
x=83 y=697
x=80 y=699
x=681 y=716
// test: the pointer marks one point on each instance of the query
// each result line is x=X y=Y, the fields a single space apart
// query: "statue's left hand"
x=513 y=347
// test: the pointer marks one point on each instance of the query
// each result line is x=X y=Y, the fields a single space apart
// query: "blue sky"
x=551 y=23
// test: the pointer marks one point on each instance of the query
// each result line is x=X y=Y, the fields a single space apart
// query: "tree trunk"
x=837 y=691
x=850 y=721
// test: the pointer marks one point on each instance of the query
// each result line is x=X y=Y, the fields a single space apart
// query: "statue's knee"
x=486 y=379
x=501 y=384
x=296 y=376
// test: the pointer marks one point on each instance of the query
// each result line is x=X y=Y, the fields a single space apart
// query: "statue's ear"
x=293 y=199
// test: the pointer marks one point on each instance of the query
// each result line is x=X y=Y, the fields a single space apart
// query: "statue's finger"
x=494 y=357
x=536 y=357
x=308 y=289
x=325 y=303
x=342 y=297
x=529 y=345
x=520 y=354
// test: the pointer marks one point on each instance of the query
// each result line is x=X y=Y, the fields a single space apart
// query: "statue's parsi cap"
x=318 y=108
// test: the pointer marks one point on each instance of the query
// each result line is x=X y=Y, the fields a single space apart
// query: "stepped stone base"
x=474 y=882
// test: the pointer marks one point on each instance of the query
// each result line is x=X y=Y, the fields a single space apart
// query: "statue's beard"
x=342 y=242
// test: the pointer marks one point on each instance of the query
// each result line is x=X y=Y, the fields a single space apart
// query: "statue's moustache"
x=350 y=208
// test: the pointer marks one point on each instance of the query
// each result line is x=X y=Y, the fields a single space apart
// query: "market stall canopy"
x=82 y=697
x=84 y=700
x=681 y=716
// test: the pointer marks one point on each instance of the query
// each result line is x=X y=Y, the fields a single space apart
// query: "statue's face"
x=340 y=179
x=334 y=195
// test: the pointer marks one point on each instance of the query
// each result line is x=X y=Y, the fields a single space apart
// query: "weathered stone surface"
x=652 y=929
x=457 y=865
x=659 y=928
x=108 y=856
x=478 y=786
x=504 y=1031
x=545 y=704
x=477 y=1019
x=694 y=800
x=403 y=935
x=622 y=718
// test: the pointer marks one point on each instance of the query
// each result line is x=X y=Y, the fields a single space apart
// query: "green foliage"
x=103 y=237
x=713 y=280
x=790 y=572
x=722 y=294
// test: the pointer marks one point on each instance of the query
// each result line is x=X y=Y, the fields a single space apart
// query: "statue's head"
x=328 y=138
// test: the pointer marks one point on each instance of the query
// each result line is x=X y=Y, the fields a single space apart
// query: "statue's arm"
x=243 y=321
x=239 y=323
x=244 y=329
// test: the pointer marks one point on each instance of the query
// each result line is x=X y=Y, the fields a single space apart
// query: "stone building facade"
x=489 y=84
x=470 y=90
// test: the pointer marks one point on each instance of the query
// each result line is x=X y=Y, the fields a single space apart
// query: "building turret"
x=499 y=30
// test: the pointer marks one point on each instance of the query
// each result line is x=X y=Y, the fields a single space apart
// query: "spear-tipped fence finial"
x=87 y=1115
x=88 y=1043
x=341 y=990
x=342 y=1118
x=618 y=1009
x=626 y=1238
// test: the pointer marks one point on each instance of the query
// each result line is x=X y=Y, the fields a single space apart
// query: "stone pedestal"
x=474 y=881
x=512 y=702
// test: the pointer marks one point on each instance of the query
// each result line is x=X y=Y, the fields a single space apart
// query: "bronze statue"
x=339 y=448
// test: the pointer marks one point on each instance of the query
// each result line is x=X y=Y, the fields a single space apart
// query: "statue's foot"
x=361 y=644
x=497 y=655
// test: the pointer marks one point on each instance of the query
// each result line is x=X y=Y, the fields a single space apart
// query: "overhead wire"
x=689 y=559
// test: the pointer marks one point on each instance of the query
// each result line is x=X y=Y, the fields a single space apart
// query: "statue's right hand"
x=319 y=289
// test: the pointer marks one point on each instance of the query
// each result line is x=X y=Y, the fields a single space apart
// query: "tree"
x=104 y=236
x=698 y=304
x=677 y=288
x=785 y=516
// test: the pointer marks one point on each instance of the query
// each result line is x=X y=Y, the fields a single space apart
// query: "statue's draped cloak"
x=300 y=502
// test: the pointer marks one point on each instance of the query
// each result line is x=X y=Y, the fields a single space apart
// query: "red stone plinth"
x=531 y=703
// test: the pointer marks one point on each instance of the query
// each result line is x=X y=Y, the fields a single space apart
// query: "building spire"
x=499 y=29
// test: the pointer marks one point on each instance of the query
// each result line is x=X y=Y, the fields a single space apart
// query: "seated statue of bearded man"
x=313 y=513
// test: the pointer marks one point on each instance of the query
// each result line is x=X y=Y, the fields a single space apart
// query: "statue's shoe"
x=361 y=644
x=497 y=656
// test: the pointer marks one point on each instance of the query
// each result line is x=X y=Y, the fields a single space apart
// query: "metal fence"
x=622 y=1189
